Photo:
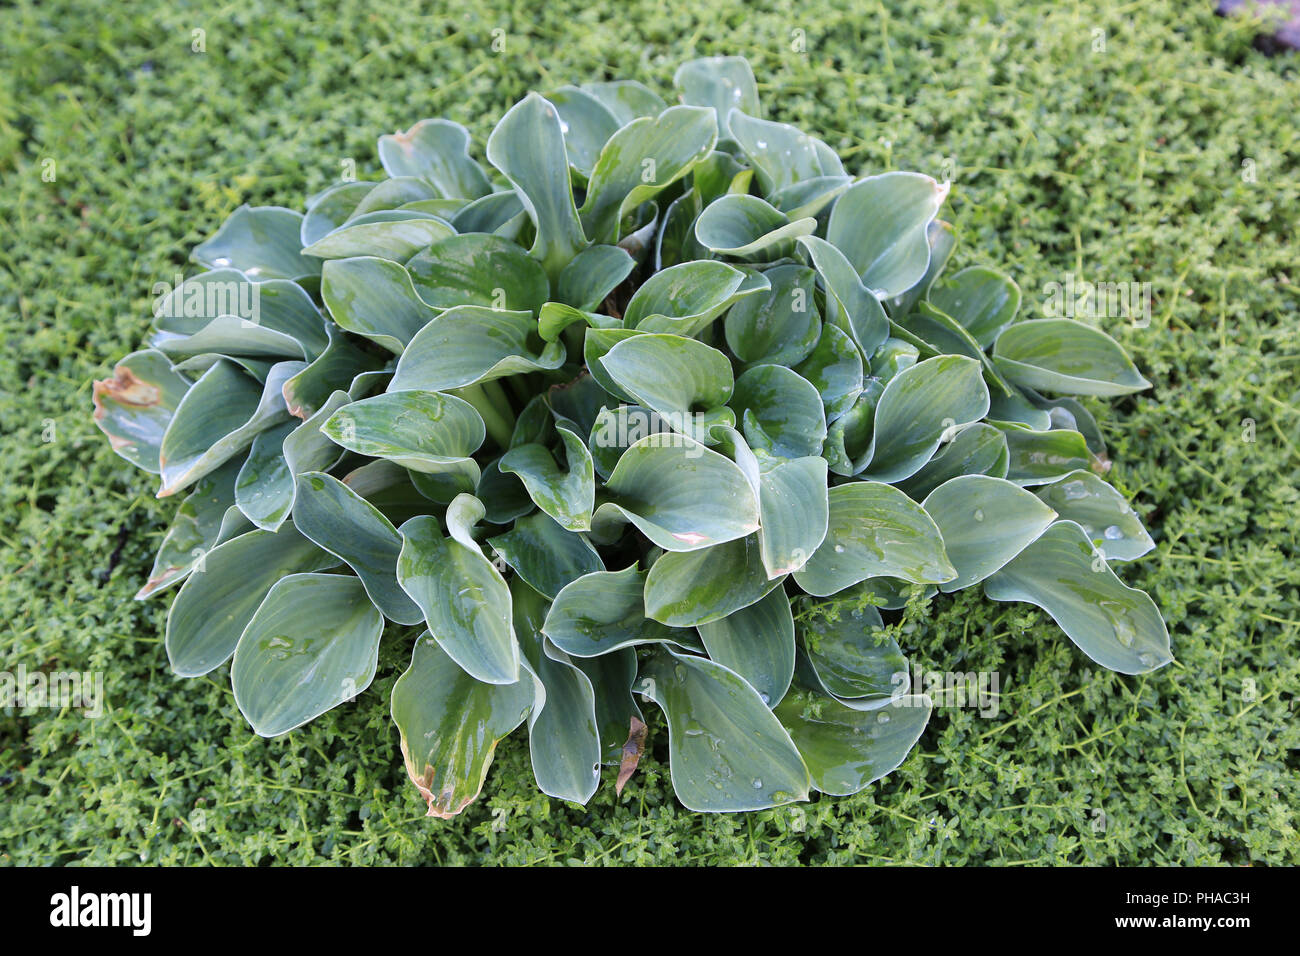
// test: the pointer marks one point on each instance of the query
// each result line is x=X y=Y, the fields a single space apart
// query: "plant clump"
x=599 y=420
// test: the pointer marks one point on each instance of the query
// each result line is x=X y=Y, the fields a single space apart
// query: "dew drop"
x=882 y=718
x=979 y=514
x=758 y=784
x=839 y=549
x=1113 y=533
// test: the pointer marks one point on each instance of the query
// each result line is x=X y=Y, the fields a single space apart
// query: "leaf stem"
x=494 y=408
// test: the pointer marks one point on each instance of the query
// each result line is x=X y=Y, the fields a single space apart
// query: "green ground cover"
x=1140 y=142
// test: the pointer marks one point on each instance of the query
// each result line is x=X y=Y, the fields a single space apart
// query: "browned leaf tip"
x=632 y=751
x=124 y=388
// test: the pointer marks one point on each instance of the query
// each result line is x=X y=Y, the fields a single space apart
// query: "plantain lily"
x=591 y=419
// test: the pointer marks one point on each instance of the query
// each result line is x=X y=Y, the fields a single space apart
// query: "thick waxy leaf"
x=725 y=83
x=605 y=611
x=849 y=657
x=626 y=100
x=849 y=439
x=781 y=327
x=587 y=123
x=835 y=370
x=218 y=418
x=390 y=234
x=545 y=555
x=479 y=269
x=400 y=192
x=782 y=155
x=934 y=332
x=223 y=591
x=612 y=676
x=685 y=381
x=471 y=344
x=1117 y=626
x=428 y=432
x=880 y=223
x=265 y=488
x=747 y=227
x=809 y=197
x=727 y=752
x=690 y=588
x=1016 y=407
x=500 y=213
x=527 y=145
x=680 y=495
x=563 y=731
x=313 y=644
x=985 y=522
x=942 y=241
x=328 y=210
x=207 y=516
x=135 y=406
x=263 y=242
x=1103 y=513
x=568 y=493
x=875 y=531
x=450 y=725
x=639 y=161
x=593 y=274
x=230 y=335
x=979 y=449
x=984 y=301
x=341 y=366
x=693 y=294
x=374 y=298
x=794 y=506
x=856 y=309
x=1062 y=355
x=436 y=150
x=847 y=749
x=918 y=406
x=1036 y=458
x=757 y=642
x=464 y=599
x=345 y=524
x=780 y=412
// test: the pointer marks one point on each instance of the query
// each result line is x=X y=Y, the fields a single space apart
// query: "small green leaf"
x=1103 y=513
x=527 y=145
x=390 y=234
x=690 y=588
x=781 y=413
x=450 y=725
x=471 y=344
x=880 y=224
x=780 y=327
x=757 y=642
x=875 y=531
x=850 y=657
x=1062 y=355
x=592 y=276
x=747 y=227
x=223 y=591
x=918 y=406
x=605 y=611
x=679 y=494
x=567 y=494
x=639 y=161
x=984 y=301
x=545 y=555
x=375 y=298
x=985 y=522
x=727 y=752
x=313 y=644
x=478 y=269
x=135 y=406
x=835 y=370
x=436 y=150
x=345 y=524
x=340 y=366
x=425 y=431
x=1117 y=626
x=847 y=749
x=464 y=599
x=260 y=241
x=685 y=381
x=722 y=82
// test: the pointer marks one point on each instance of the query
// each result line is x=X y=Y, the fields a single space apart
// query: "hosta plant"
x=599 y=423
